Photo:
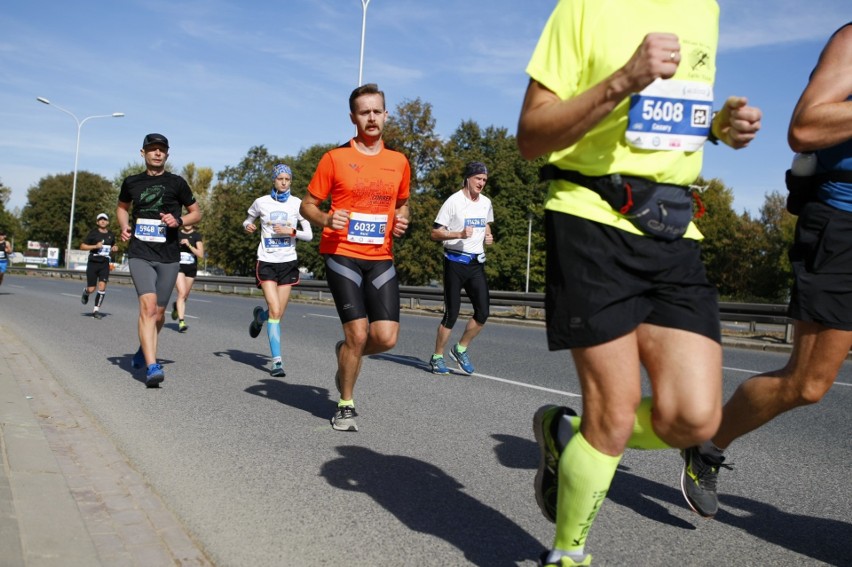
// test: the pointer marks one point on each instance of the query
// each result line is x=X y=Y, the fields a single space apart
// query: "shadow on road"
x=427 y=500
x=310 y=399
x=258 y=361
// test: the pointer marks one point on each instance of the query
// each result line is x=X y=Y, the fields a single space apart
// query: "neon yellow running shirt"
x=576 y=51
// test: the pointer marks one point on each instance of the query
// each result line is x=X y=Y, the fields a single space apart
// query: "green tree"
x=229 y=247
x=411 y=130
x=774 y=279
x=45 y=216
x=8 y=221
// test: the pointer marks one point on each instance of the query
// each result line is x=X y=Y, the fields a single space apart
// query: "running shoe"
x=438 y=365
x=138 y=359
x=84 y=299
x=182 y=327
x=344 y=419
x=337 y=348
x=277 y=369
x=545 y=428
x=154 y=376
x=256 y=324
x=174 y=311
x=462 y=359
x=698 y=481
x=97 y=315
x=565 y=560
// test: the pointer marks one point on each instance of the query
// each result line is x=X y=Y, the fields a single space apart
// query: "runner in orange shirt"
x=368 y=185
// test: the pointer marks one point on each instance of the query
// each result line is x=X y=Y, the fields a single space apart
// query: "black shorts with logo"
x=363 y=288
x=603 y=282
x=96 y=271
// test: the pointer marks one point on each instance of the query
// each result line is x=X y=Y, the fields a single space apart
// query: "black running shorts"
x=189 y=270
x=363 y=288
x=821 y=257
x=602 y=282
x=96 y=271
x=282 y=273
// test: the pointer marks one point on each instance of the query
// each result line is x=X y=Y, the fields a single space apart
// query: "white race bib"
x=670 y=115
x=150 y=230
x=367 y=229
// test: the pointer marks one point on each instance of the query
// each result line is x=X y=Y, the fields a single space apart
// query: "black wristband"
x=180 y=221
x=711 y=137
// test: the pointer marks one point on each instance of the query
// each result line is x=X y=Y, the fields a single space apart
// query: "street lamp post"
x=364 y=4
x=529 y=251
x=76 y=159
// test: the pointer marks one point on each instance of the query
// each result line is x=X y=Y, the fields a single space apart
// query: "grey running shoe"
x=174 y=311
x=84 y=299
x=462 y=359
x=337 y=348
x=256 y=324
x=698 y=481
x=438 y=365
x=344 y=419
x=277 y=369
x=545 y=428
x=97 y=315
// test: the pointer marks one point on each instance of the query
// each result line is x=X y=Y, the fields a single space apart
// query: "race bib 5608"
x=670 y=115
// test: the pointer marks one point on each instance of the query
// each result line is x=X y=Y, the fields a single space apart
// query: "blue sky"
x=220 y=76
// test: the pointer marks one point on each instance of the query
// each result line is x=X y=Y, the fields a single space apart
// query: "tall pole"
x=76 y=161
x=529 y=251
x=364 y=4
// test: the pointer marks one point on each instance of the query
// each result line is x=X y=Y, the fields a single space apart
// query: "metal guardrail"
x=751 y=314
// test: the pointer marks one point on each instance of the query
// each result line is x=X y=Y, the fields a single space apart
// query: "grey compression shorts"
x=154 y=277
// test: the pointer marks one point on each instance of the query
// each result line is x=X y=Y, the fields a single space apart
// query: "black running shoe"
x=545 y=428
x=256 y=324
x=84 y=299
x=97 y=315
x=698 y=481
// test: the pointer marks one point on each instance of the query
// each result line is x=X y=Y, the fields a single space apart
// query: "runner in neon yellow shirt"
x=621 y=99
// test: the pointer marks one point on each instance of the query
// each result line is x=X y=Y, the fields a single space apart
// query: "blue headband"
x=279 y=169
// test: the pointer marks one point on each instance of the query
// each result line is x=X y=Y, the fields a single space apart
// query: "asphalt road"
x=441 y=471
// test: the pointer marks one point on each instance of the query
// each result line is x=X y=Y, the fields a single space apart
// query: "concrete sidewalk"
x=68 y=497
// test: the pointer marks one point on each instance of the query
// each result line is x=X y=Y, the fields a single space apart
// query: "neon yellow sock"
x=584 y=478
x=643 y=436
x=460 y=348
x=346 y=403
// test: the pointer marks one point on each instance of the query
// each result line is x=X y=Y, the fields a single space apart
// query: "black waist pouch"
x=803 y=190
x=660 y=210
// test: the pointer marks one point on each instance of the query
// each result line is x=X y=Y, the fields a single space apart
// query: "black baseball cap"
x=155 y=139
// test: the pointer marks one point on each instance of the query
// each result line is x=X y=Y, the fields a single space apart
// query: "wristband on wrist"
x=180 y=221
x=711 y=137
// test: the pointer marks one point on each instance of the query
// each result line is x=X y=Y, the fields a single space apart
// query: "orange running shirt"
x=369 y=188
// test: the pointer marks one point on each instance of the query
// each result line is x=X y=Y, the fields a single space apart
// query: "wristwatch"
x=180 y=221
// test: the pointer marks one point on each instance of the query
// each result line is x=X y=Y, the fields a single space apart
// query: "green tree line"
x=746 y=257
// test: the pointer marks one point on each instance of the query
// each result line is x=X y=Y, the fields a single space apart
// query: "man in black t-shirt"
x=100 y=243
x=158 y=199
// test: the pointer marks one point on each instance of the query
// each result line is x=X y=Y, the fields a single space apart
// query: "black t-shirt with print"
x=101 y=254
x=151 y=195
